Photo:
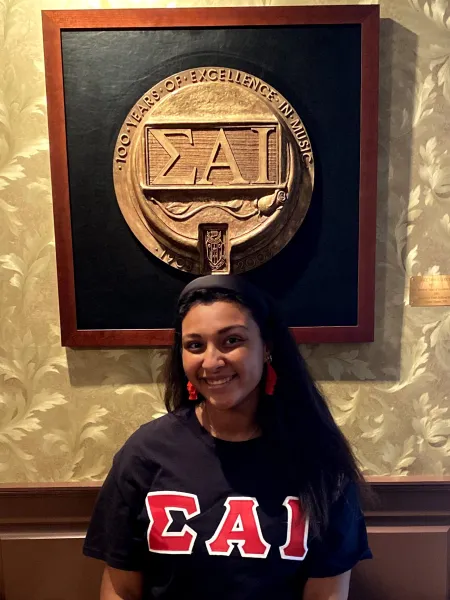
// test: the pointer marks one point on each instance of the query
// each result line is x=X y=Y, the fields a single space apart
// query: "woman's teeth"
x=213 y=382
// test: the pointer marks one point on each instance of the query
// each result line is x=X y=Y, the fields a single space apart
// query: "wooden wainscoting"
x=42 y=529
x=409 y=534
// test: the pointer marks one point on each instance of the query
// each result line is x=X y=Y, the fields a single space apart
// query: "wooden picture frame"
x=55 y=23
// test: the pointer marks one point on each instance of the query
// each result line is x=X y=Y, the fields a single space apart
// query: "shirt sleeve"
x=344 y=543
x=114 y=534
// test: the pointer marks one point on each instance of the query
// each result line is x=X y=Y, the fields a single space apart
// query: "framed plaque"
x=190 y=141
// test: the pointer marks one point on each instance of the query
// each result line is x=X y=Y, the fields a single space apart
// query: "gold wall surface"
x=64 y=412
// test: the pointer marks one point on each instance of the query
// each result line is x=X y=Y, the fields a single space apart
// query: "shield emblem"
x=215 y=249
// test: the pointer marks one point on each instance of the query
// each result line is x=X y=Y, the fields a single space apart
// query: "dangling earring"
x=271 y=378
x=192 y=391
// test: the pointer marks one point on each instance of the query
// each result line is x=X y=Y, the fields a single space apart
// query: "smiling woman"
x=223 y=357
x=246 y=488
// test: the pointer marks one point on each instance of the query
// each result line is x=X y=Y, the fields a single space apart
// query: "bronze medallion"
x=213 y=170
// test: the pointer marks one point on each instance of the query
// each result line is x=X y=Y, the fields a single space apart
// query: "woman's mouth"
x=216 y=382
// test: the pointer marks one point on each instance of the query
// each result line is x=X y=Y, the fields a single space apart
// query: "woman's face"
x=223 y=353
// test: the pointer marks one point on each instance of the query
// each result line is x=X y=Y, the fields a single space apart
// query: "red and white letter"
x=240 y=526
x=159 y=506
x=296 y=546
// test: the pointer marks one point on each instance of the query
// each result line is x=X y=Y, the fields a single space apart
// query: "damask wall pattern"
x=64 y=412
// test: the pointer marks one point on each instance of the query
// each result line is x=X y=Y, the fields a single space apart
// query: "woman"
x=246 y=489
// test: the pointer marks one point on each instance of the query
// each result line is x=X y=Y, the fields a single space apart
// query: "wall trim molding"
x=397 y=501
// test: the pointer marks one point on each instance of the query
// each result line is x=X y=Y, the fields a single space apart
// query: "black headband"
x=254 y=298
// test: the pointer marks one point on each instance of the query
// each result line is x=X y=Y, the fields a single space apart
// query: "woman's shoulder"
x=136 y=463
x=152 y=432
x=153 y=438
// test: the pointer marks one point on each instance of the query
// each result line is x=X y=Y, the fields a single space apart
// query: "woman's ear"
x=267 y=352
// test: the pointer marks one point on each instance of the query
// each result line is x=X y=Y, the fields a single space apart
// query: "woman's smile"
x=219 y=382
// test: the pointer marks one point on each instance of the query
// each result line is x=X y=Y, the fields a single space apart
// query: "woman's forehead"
x=214 y=316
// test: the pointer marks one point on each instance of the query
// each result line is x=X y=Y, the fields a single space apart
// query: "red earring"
x=192 y=391
x=271 y=379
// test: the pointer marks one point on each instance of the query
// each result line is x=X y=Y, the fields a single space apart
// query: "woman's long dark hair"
x=296 y=417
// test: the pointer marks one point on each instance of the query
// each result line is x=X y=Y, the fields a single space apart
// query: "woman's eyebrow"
x=225 y=329
x=221 y=331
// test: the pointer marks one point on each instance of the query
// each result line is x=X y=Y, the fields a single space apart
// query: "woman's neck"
x=235 y=424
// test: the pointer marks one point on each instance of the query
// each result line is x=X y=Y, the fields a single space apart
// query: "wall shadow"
x=398 y=51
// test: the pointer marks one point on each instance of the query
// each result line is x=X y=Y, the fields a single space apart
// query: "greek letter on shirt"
x=240 y=526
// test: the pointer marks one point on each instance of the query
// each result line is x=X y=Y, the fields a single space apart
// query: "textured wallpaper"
x=64 y=412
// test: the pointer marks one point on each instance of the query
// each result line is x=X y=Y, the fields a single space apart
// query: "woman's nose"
x=212 y=358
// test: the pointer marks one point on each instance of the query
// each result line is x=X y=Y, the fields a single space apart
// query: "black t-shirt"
x=205 y=518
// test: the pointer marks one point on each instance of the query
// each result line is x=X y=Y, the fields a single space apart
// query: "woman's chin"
x=220 y=402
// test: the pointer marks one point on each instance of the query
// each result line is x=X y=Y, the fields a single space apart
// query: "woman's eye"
x=233 y=340
x=192 y=346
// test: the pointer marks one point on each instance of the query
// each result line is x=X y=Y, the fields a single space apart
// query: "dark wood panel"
x=49 y=568
x=87 y=338
x=42 y=527
x=46 y=506
x=409 y=501
x=206 y=17
x=400 y=501
x=60 y=176
x=409 y=562
x=370 y=35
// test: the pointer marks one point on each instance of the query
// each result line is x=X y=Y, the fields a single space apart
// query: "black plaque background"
x=118 y=283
